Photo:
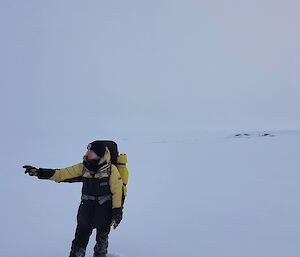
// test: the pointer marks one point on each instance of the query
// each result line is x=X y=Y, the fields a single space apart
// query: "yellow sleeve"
x=116 y=184
x=68 y=173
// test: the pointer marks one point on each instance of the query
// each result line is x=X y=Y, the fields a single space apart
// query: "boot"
x=77 y=252
x=100 y=249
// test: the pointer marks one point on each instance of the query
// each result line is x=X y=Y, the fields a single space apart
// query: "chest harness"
x=97 y=181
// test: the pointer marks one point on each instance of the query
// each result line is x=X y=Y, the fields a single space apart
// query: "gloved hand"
x=32 y=171
x=116 y=217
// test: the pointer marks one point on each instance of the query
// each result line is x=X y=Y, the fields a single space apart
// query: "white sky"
x=72 y=66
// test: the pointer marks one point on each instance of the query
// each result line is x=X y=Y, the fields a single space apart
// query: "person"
x=101 y=199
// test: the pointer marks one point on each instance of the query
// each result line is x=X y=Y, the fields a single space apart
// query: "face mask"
x=91 y=165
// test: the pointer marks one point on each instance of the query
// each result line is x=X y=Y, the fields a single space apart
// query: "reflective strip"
x=104 y=199
x=100 y=199
x=104 y=184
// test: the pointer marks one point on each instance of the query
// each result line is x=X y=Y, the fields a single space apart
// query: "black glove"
x=40 y=173
x=116 y=217
x=32 y=171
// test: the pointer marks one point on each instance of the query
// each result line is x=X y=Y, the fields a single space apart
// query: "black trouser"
x=92 y=215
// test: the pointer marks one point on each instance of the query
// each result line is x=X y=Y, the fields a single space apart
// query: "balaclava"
x=99 y=148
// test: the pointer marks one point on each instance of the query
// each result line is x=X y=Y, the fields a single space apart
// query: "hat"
x=98 y=147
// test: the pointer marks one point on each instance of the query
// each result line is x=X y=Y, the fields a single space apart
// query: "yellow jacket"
x=78 y=170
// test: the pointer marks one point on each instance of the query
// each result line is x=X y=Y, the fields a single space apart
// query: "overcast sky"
x=84 y=67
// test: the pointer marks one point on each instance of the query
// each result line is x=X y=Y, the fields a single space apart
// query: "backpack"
x=120 y=161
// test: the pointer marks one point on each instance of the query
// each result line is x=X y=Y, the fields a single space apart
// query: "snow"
x=198 y=193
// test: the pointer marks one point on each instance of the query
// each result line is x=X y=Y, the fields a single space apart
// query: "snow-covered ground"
x=208 y=194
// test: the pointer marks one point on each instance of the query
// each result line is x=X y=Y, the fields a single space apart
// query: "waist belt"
x=100 y=199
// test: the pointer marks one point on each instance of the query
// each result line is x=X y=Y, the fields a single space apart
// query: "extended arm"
x=69 y=174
